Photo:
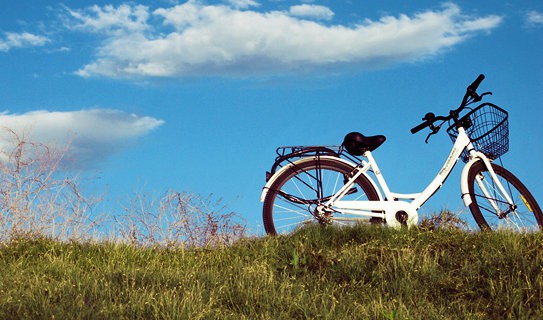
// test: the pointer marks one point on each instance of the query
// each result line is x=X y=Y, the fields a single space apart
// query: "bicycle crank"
x=405 y=216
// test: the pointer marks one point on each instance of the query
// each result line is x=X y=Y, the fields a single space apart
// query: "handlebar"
x=470 y=97
x=419 y=127
x=471 y=92
x=475 y=84
x=429 y=118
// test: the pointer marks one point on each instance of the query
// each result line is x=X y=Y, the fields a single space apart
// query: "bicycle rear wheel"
x=292 y=200
x=524 y=215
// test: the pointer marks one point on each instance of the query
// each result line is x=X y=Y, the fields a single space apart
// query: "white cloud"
x=193 y=39
x=243 y=4
x=124 y=18
x=93 y=134
x=311 y=11
x=534 y=18
x=21 y=40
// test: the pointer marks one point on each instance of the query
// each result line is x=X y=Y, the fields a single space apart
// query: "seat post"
x=377 y=172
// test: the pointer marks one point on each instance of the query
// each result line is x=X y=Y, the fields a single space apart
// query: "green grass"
x=317 y=273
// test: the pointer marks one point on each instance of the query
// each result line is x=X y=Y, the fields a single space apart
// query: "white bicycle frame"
x=391 y=203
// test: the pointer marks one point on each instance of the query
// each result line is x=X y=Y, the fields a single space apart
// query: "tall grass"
x=40 y=196
x=34 y=198
x=316 y=273
x=178 y=218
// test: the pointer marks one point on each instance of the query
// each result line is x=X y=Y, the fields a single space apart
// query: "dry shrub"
x=446 y=219
x=178 y=219
x=36 y=197
x=39 y=198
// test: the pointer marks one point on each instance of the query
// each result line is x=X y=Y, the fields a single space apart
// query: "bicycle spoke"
x=293 y=225
x=291 y=210
x=298 y=189
x=294 y=218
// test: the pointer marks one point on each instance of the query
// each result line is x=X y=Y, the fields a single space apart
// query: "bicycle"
x=326 y=185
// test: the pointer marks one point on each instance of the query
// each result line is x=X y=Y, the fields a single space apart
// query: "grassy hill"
x=317 y=273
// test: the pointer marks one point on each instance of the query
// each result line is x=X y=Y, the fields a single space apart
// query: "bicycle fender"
x=298 y=162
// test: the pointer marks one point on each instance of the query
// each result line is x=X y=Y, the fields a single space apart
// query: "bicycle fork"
x=491 y=197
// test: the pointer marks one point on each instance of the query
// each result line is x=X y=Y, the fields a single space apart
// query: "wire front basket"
x=488 y=128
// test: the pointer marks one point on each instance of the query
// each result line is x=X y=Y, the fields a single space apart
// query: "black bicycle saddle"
x=356 y=143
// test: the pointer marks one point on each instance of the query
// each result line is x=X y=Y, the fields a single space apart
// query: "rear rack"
x=288 y=154
x=309 y=150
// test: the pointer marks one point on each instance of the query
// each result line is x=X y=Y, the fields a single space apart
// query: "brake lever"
x=476 y=97
x=435 y=129
x=428 y=137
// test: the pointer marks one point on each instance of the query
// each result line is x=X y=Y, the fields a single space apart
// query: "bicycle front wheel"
x=489 y=206
x=294 y=198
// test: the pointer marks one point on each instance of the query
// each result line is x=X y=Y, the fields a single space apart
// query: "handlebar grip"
x=475 y=84
x=419 y=127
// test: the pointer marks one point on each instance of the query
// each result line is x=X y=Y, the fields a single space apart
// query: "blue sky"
x=195 y=96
